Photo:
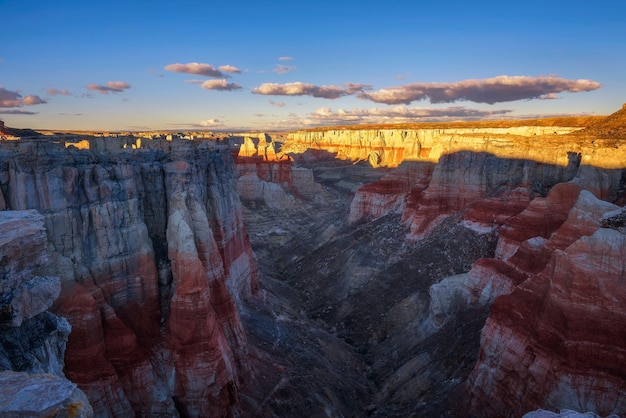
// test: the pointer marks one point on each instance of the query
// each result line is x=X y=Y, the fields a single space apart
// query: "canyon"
x=469 y=270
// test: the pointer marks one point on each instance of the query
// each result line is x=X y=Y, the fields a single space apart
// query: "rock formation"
x=28 y=395
x=32 y=340
x=561 y=327
x=154 y=260
x=391 y=147
x=273 y=181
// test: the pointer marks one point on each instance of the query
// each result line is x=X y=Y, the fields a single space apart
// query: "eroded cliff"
x=32 y=340
x=154 y=260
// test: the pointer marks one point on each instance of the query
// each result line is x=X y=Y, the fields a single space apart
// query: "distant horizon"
x=390 y=125
x=276 y=66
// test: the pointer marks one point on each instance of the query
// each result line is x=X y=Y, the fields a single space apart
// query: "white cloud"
x=209 y=123
x=399 y=114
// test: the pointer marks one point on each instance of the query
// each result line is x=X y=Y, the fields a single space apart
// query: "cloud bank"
x=111 y=87
x=398 y=114
x=285 y=58
x=10 y=98
x=208 y=123
x=305 y=89
x=491 y=90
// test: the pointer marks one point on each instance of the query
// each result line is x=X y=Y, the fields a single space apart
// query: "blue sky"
x=267 y=65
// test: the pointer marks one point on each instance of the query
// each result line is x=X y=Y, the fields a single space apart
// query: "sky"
x=269 y=65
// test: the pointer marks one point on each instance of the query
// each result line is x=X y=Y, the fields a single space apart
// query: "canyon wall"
x=153 y=259
x=391 y=147
x=554 y=338
x=272 y=180
x=441 y=171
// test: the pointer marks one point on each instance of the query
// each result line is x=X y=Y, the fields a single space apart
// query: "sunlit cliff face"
x=389 y=148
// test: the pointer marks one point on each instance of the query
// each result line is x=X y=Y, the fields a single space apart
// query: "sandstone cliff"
x=266 y=178
x=153 y=258
x=496 y=160
x=391 y=147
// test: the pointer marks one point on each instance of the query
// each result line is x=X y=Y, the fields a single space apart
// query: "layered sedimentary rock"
x=469 y=165
x=272 y=180
x=555 y=337
x=154 y=259
x=27 y=395
x=494 y=183
x=391 y=147
x=391 y=193
x=32 y=340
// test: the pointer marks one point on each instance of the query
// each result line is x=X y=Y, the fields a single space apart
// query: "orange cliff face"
x=145 y=245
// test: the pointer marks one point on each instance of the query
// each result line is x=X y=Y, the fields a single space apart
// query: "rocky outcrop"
x=32 y=340
x=469 y=165
x=266 y=178
x=556 y=340
x=613 y=127
x=154 y=259
x=391 y=193
x=28 y=395
x=23 y=245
